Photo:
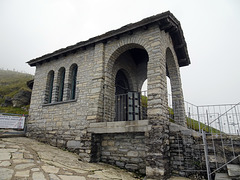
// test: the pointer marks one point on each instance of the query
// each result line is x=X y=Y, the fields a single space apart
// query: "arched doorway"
x=127 y=101
x=128 y=67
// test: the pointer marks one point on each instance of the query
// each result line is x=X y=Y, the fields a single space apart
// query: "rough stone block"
x=120 y=164
x=106 y=153
x=154 y=172
x=104 y=143
x=125 y=159
x=73 y=144
x=136 y=160
x=132 y=154
x=111 y=143
x=233 y=170
x=131 y=167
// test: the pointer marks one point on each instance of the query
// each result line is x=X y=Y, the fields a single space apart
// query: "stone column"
x=157 y=139
x=95 y=99
x=96 y=92
x=66 y=89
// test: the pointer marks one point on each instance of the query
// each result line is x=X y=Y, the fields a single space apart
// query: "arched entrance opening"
x=130 y=71
x=121 y=97
x=121 y=83
x=176 y=101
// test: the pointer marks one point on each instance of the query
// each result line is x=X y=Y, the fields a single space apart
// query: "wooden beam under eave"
x=179 y=46
x=117 y=37
x=166 y=26
x=182 y=60
x=145 y=27
x=172 y=29
x=130 y=32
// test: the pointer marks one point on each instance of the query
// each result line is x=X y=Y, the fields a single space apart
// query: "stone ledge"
x=119 y=127
x=60 y=102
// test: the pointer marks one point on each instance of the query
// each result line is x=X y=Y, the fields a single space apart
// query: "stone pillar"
x=66 y=86
x=157 y=139
x=95 y=98
x=96 y=93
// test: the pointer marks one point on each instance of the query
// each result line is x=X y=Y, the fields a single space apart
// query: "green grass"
x=193 y=124
x=144 y=100
x=11 y=82
x=14 y=110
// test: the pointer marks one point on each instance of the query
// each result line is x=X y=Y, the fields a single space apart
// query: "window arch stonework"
x=49 y=87
x=72 y=82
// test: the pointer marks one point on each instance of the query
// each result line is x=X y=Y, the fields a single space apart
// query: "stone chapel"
x=87 y=97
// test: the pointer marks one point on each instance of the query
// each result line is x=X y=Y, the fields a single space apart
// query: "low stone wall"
x=186 y=151
x=226 y=148
x=74 y=140
x=126 y=145
x=125 y=150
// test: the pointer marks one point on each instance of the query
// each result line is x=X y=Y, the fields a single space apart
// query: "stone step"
x=233 y=170
x=222 y=176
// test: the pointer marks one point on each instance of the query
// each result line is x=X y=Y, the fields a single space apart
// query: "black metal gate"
x=127 y=106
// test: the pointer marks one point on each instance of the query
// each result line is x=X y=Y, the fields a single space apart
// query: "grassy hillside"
x=194 y=124
x=11 y=82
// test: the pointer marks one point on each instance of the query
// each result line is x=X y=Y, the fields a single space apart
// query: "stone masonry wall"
x=221 y=149
x=187 y=156
x=63 y=124
x=186 y=151
x=125 y=150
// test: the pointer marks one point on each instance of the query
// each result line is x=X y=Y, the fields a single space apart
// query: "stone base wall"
x=157 y=142
x=226 y=149
x=76 y=141
x=125 y=150
x=186 y=151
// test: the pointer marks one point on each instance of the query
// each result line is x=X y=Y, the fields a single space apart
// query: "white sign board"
x=12 y=122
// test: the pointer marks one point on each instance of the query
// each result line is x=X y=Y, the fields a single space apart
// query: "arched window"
x=49 y=87
x=60 y=84
x=73 y=80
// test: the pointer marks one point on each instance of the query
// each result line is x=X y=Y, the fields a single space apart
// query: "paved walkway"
x=26 y=159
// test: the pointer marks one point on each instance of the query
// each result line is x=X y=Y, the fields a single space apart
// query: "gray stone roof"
x=166 y=22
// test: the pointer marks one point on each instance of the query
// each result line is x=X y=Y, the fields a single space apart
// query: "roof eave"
x=166 y=22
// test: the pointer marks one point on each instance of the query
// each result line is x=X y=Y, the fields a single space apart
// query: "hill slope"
x=12 y=84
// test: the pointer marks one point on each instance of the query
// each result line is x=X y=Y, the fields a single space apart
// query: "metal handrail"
x=225 y=112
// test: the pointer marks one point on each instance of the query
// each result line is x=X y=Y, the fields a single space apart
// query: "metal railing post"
x=198 y=120
x=206 y=154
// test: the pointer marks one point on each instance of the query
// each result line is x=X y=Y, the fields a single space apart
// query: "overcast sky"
x=32 y=28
